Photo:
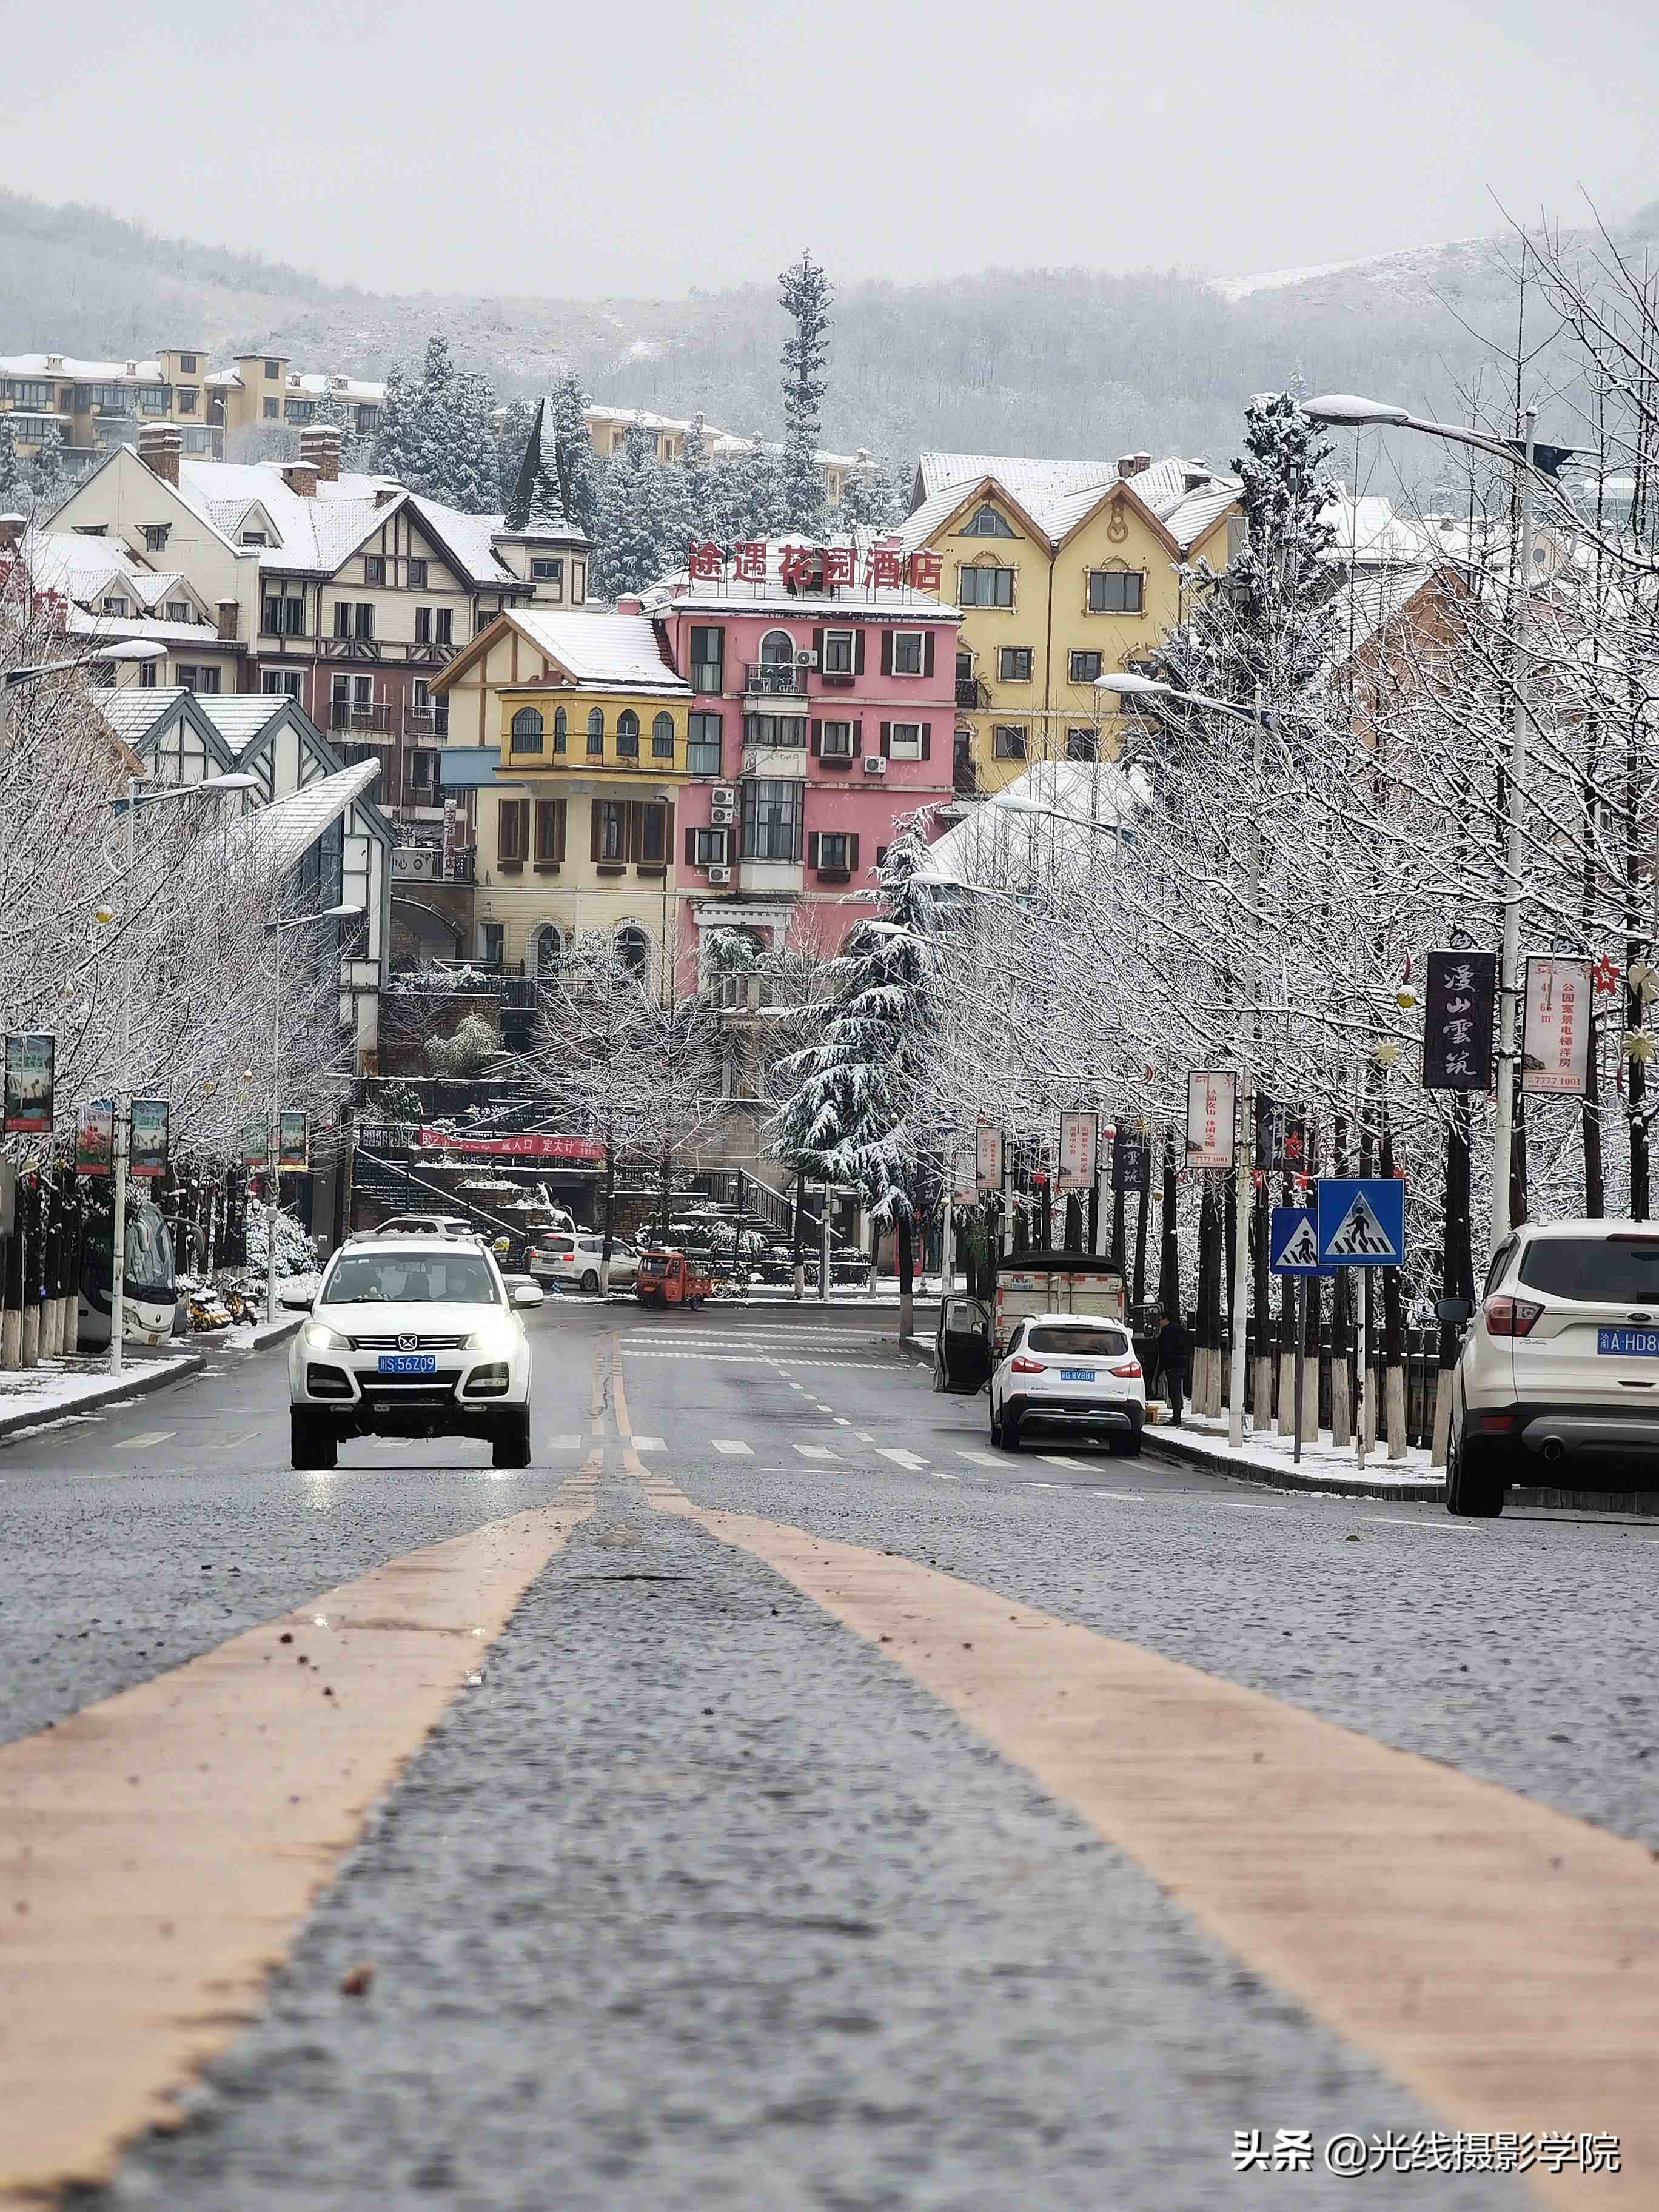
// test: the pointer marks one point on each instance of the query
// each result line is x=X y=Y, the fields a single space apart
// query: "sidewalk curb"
x=137 y=1384
x=1216 y=1459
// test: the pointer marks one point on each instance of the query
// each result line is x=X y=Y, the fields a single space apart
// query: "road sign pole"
x=1301 y=1354
x=1365 y=1364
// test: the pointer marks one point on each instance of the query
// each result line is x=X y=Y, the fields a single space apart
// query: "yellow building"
x=1065 y=571
x=575 y=834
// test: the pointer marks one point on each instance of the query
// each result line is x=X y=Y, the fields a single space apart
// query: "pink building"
x=825 y=711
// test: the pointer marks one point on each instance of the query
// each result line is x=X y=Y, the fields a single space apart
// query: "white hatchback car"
x=1064 y=1371
x=412 y=1337
x=570 y=1258
x=1558 y=1369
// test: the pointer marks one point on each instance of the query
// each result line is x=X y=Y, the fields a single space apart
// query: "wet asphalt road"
x=695 y=1898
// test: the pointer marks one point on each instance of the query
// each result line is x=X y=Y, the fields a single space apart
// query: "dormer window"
x=985 y=522
x=253 y=537
x=114 y=603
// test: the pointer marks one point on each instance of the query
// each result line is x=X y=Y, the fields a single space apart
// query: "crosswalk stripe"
x=143 y=1442
x=981 y=1459
x=911 y=1461
x=566 y=1442
x=1055 y=1459
x=649 y=1443
x=816 y=1451
x=733 y=1447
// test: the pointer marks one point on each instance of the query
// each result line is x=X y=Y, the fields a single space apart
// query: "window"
x=284 y=615
x=514 y=827
x=374 y=567
x=253 y=537
x=1116 y=591
x=494 y=943
x=708 y=658
x=1082 y=745
x=634 y=949
x=985 y=522
x=547 y=572
x=909 y=652
x=595 y=730
x=1616 y=1270
x=1074 y=1342
x=179 y=611
x=836 y=740
x=186 y=398
x=1008 y=744
x=299 y=411
x=773 y=730
x=527 y=731
x=1087 y=666
x=702 y=753
x=423 y=625
x=777 y=650
x=652 y=850
x=273 y=370
x=443 y=625
x=368 y=418
x=114 y=603
x=30 y=394
x=422 y=769
x=155 y=537
x=706 y=847
x=609 y=829
x=771 y=820
x=1014 y=664
x=271 y=409
x=147 y=675
x=549 y=831
x=198 y=679
x=486 y=616
x=154 y=398
x=905 y=741
x=662 y=737
x=839 y=647
x=548 y=949
x=837 y=851
x=577 y=583
x=985 y=587
x=280 y=682
x=187 y=364
x=628 y=734
x=414 y=575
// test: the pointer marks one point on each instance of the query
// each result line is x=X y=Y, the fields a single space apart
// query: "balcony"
x=971 y=693
x=426 y=725
x=430 y=864
x=359 y=721
x=775 y=681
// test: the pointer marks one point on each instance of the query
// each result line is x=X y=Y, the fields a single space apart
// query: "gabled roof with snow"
x=75 y=566
x=1198 y=511
x=283 y=832
x=1040 y=492
x=1059 y=814
x=1369 y=534
x=1027 y=479
x=1367 y=603
x=198 y=636
x=134 y=713
x=470 y=539
x=609 y=651
x=242 y=717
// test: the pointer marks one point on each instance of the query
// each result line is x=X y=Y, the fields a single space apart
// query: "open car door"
x=962 y=1355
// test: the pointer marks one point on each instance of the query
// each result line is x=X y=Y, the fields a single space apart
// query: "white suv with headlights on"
x=1069 y=1371
x=1557 y=1376
x=412 y=1336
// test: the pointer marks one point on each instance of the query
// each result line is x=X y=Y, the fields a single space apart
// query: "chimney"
x=132 y=368
x=1126 y=467
x=630 y=605
x=159 y=446
x=320 y=447
x=55 y=361
x=301 y=477
x=1143 y=462
x=1195 y=475
x=228 y=620
x=385 y=494
x=12 y=527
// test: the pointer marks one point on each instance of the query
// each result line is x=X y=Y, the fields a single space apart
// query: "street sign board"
x=1555 y=1044
x=1079 y=1137
x=1362 y=1221
x=988 y=1156
x=1293 y=1242
x=1209 y=1110
x=1458 y=1020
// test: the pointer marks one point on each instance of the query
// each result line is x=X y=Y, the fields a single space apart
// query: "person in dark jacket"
x=1175 y=1353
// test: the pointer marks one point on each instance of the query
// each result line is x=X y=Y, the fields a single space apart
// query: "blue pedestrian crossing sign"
x=1293 y=1242
x=1362 y=1221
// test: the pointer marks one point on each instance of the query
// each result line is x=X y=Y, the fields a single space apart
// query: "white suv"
x=1560 y=1367
x=570 y=1258
x=412 y=1337
x=1068 y=1372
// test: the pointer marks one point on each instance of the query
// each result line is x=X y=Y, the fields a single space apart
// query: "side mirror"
x=527 y=1294
x=296 y=1301
x=1454 y=1311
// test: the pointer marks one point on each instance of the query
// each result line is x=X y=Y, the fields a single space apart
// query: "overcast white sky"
x=515 y=145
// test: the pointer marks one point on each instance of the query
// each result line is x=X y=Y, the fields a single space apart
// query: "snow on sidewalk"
x=58 y=1389
x=1267 y=1457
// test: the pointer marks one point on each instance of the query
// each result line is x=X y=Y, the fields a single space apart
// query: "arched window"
x=548 y=951
x=561 y=728
x=527 y=731
x=595 y=731
x=628 y=734
x=777 y=650
x=633 y=948
x=662 y=737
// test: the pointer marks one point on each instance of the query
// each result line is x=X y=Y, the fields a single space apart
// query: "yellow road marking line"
x=1500 y=1958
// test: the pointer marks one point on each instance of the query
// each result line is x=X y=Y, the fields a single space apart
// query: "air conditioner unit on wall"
x=875 y=764
x=722 y=814
x=719 y=875
x=724 y=794
x=805 y=658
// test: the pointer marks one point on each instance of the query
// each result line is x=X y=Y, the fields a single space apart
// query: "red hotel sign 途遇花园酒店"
x=533 y=1145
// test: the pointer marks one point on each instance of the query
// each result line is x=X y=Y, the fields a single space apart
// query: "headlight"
x=320 y=1338
x=496 y=1337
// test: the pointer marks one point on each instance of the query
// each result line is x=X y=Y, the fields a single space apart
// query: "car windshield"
x=1079 y=1343
x=451 y=1279
x=1616 y=1270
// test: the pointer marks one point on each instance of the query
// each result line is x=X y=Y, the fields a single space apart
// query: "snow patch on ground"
x=1272 y=1453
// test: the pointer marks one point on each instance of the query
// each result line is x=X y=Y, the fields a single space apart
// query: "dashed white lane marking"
x=733 y=1447
x=1128 y=1496
x=1054 y=1459
x=863 y=1435
x=143 y=1442
x=816 y=1451
x=649 y=1443
x=235 y=1443
x=841 y=1421
x=797 y=1385
x=981 y=1459
x=1397 y=1521
x=1048 y=1486
x=1246 y=1505
x=571 y=1441
x=912 y=1463
x=767 y=1359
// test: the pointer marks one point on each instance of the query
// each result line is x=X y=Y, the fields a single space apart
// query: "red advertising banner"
x=531 y=1147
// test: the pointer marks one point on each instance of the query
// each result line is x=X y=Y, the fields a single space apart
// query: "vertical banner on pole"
x=29 y=1085
x=149 y=1152
x=256 y=1143
x=988 y=1156
x=95 y=1137
x=1210 y=1114
x=1079 y=1144
x=1555 y=1037
x=293 y=1141
x=1460 y=997
x=1131 y=1162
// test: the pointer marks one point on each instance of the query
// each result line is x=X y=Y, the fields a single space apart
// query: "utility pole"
x=1246 y=1138
x=1508 y=979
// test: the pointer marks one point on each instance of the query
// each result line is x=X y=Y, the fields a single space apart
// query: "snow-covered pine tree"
x=573 y=454
x=472 y=474
x=52 y=475
x=395 y=451
x=331 y=413
x=535 y=501
x=874 y=501
x=16 y=496
x=642 y=526
x=855 y=1112
x=805 y=297
x=511 y=440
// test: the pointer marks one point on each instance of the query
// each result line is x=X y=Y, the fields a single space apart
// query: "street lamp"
x=130 y=803
x=1260 y=717
x=275 y=930
x=137 y=649
x=1531 y=462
